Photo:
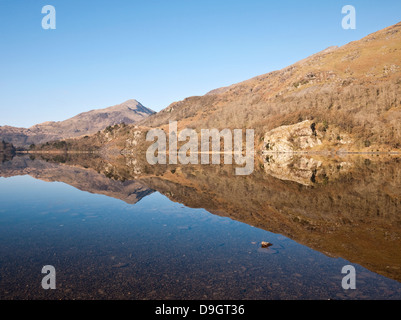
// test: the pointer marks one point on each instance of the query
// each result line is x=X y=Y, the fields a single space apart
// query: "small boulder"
x=265 y=244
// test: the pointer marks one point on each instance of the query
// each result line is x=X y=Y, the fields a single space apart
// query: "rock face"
x=85 y=123
x=292 y=138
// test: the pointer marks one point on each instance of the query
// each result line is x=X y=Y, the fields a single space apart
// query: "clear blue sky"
x=105 y=52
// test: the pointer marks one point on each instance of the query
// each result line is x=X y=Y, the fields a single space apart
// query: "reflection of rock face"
x=7 y=151
x=303 y=169
x=5 y=157
x=80 y=178
x=132 y=163
x=286 y=166
x=352 y=210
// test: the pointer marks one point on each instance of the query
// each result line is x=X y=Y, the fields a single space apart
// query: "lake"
x=115 y=230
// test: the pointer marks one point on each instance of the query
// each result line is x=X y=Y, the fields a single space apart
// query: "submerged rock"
x=120 y=265
x=265 y=244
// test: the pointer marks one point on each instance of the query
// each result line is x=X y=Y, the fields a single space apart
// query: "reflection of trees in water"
x=7 y=151
x=347 y=207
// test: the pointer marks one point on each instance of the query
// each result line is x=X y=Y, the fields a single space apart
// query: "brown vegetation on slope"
x=355 y=88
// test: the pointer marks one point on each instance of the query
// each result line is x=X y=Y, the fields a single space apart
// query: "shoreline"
x=261 y=153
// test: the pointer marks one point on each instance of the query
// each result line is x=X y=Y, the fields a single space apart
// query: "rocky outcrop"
x=297 y=137
x=305 y=136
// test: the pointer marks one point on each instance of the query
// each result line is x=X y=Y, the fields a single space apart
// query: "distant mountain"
x=351 y=93
x=85 y=123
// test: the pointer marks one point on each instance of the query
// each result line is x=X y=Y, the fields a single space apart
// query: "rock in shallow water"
x=265 y=244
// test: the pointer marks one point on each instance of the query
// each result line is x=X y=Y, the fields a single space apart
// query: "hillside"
x=353 y=90
x=85 y=123
x=341 y=99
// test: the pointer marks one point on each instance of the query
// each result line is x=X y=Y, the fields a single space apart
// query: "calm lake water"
x=150 y=247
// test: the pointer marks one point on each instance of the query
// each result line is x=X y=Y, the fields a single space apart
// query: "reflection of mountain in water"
x=7 y=151
x=348 y=207
x=85 y=179
x=351 y=209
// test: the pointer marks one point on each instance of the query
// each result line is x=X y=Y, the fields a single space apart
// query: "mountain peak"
x=131 y=102
x=125 y=108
